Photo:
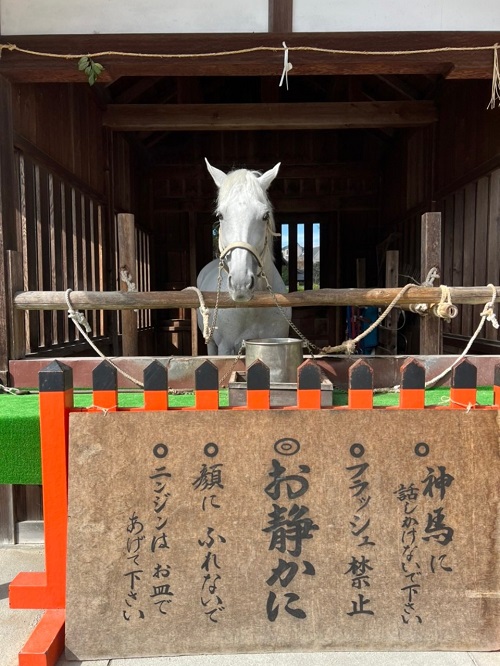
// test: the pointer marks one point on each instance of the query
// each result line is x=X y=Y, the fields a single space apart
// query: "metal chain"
x=213 y=327
x=310 y=346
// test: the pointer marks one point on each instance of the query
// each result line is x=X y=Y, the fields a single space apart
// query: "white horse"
x=245 y=243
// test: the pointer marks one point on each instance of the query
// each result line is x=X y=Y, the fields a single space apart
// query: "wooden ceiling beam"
x=456 y=64
x=327 y=115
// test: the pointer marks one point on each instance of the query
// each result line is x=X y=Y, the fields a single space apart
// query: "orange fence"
x=46 y=590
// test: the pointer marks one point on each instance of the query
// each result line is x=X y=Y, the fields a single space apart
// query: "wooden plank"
x=117 y=300
x=493 y=249
x=468 y=265
x=127 y=260
x=7 y=522
x=282 y=204
x=280 y=16
x=430 y=256
x=192 y=275
x=391 y=321
x=259 y=116
x=472 y=64
x=17 y=333
x=480 y=241
x=8 y=220
x=458 y=253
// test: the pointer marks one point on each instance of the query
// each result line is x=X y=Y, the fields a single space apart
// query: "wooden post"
x=8 y=226
x=430 y=256
x=127 y=259
x=17 y=340
x=192 y=278
x=391 y=280
x=7 y=522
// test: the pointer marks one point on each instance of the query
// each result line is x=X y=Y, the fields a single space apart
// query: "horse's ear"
x=267 y=178
x=218 y=175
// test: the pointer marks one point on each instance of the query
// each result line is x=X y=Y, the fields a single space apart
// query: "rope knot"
x=445 y=308
x=75 y=315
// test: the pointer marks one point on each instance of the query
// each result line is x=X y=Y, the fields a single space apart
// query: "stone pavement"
x=17 y=625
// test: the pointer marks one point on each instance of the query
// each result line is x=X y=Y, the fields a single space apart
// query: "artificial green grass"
x=20 y=425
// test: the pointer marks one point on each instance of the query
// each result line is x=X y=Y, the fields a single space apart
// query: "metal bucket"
x=281 y=355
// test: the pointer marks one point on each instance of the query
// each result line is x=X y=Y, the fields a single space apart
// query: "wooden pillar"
x=127 y=259
x=111 y=318
x=192 y=281
x=280 y=16
x=8 y=228
x=391 y=321
x=431 y=340
x=15 y=284
x=7 y=521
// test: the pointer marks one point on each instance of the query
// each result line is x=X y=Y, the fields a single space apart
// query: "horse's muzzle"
x=241 y=292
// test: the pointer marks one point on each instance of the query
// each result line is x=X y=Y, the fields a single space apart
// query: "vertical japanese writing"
x=134 y=539
x=161 y=591
x=209 y=483
x=436 y=531
x=289 y=526
x=359 y=568
x=410 y=565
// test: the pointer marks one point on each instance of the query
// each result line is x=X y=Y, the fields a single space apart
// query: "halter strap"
x=259 y=256
x=243 y=246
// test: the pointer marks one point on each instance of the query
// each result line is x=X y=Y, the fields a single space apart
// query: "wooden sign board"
x=240 y=531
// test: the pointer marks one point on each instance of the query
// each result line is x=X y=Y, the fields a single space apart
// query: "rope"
x=287 y=66
x=348 y=346
x=445 y=308
x=83 y=326
x=254 y=49
x=204 y=311
x=486 y=315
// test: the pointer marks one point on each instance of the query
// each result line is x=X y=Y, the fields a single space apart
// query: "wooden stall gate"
x=297 y=528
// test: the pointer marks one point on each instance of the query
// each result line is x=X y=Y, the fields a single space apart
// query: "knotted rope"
x=81 y=323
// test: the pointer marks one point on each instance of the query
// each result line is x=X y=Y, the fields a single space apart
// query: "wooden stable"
x=368 y=145
x=47 y=590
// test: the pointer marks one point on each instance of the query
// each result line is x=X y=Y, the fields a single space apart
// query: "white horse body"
x=245 y=242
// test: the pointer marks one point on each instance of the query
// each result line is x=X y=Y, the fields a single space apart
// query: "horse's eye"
x=219 y=216
x=265 y=217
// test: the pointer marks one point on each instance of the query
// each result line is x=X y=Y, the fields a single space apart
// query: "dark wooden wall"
x=72 y=177
x=452 y=168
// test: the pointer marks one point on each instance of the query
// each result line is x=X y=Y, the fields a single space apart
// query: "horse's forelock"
x=244 y=180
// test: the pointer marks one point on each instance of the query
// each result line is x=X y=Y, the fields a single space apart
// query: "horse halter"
x=259 y=256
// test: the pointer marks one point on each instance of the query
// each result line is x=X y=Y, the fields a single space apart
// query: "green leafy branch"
x=92 y=69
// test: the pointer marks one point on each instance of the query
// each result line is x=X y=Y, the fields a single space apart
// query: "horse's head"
x=246 y=226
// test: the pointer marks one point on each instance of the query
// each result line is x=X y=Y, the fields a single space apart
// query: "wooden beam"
x=158 y=300
x=454 y=64
x=280 y=16
x=327 y=115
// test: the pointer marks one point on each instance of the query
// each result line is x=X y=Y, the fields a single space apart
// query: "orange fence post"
x=463 y=391
x=258 y=386
x=360 y=394
x=105 y=387
x=206 y=382
x=47 y=589
x=496 y=386
x=155 y=387
x=412 y=391
x=309 y=386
